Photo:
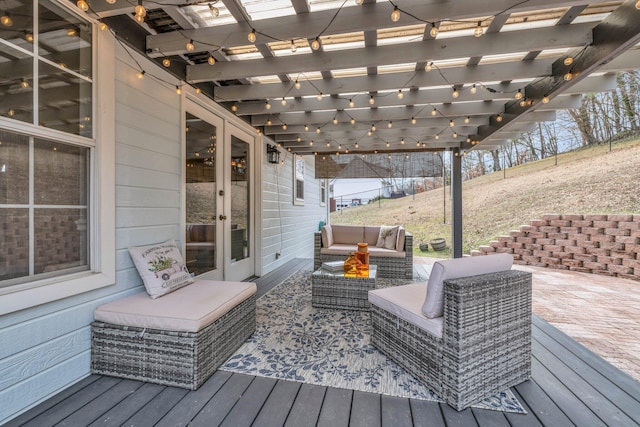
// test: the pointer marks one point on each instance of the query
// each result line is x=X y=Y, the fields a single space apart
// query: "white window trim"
x=298 y=160
x=102 y=216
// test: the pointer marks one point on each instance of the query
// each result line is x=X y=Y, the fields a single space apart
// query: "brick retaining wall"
x=598 y=244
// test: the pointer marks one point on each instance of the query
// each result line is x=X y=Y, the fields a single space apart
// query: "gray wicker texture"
x=486 y=343
x=180 y=359
x=388 y=267
x=331 y=290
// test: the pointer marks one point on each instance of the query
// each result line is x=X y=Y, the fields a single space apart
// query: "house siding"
x=45 y=349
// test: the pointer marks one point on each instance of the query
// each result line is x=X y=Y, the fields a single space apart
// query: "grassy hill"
x=586 y=181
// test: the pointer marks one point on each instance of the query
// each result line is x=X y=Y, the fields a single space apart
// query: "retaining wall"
x=598 y=244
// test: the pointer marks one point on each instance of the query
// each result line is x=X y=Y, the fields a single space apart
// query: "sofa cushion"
x=327 y=236
x=347 y=234
x=371 y=235
x=388 y=237
x=161 y=267
x=345 y=250
x=455 y=268
x=188 y=309
x=400 y=241
x=405 y=302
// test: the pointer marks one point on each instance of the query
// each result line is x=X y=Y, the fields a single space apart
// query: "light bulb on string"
x=6 y=20
x=252 y=36
x=356 y=145
x=402 y=141
x=467 y=119
x=140 y=10
x=523 y=102
x=318 y=130
x=214 y=10
x=390 y=124
x=455 y=134
x=437 y=136
x=351 y=103
x=267 y=105
x=234 y=108
x=211 y=60
x=82 y=5
x=315 y=44
x=388 y=145
x=306 y=128
x=518 y=94
x=372 y=100
x=353 y=121
x=638 y=5
x=434 y=111
x=166 y=62
x=103 y=26
x=429 y=66
x=568 y=76
x=269 y=122
x=335 y=121
x=299 y=139
x=284 y=126
x=473 y=89
x=395 y=15
x=359 y=2
x=190 y=46
x=293 y=47
x=478 y=31
x=139 y=19
x=373 y=128
x=499 y=118
x=198 y=90
x=545 y=99
x=297 y=84
x=24 y=84
x=178 y=90
x=452 y=123
x=319 y=96
x=111 y=1
x=283 y=101
x=455 y=93
x=413 y=120
x=568 y=60
x=400 y=94
x=29 y=37
x=141 y=74
x=434 y=30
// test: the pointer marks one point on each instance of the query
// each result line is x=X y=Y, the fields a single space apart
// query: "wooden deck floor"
x=571 y=386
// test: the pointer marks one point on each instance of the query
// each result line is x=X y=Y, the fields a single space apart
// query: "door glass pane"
x=201 y=188
x=240 y=197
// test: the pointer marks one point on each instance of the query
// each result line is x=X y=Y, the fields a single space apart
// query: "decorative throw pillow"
x=161 y=267
x=388 y=236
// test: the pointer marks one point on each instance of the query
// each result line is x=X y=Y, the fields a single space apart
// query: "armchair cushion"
x=456 y=268
x=388 y=237
x=327 y=236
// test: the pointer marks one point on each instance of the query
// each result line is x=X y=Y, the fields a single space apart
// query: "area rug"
x=294 y=341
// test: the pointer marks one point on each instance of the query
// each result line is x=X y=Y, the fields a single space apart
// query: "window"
x=323 y=192
x=56 y=196
x=298 y=180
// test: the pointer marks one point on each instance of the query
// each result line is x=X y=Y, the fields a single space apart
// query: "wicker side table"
x=334 y=289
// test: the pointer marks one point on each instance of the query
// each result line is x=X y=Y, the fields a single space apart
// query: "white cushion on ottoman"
x=188 y=309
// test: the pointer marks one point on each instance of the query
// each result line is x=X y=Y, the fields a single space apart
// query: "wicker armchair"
x=485 y=343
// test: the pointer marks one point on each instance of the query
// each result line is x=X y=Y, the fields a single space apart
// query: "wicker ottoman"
x=330 y=289
x=177 y=340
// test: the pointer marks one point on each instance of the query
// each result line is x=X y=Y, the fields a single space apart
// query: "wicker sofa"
x=336 y=242
x=179 y=339
x=481 y=342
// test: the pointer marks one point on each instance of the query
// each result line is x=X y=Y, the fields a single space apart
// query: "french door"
x=218 y=194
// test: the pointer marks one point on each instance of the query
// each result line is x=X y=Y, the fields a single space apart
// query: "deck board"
x=570 y=386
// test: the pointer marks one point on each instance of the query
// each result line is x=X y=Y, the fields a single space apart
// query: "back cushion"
x=455 y=268
x=348 y=234
x=327 y=236
x=400 y=241
x=371 y=235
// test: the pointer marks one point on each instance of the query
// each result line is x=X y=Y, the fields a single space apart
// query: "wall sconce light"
x=273 y=155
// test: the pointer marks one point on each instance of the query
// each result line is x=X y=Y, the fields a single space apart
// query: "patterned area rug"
x=295 y=341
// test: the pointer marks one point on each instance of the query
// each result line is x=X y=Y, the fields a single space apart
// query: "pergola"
x=361 y=76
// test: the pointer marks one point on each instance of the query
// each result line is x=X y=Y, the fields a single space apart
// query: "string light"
x=455 y=93
x=311 y=143
x=283 y=102
x=455 y=134
x=6 y=20
x=473 y=89
x=111 y=1
x=395 y=15
x=388 y=145
x=178 y=90
x=141 y=74
x=373 y=128
x=267 y=105
x=297 y=84
x=24 y=84
x=356 y=145
x=568 y=76
x=437 y=136
x=523 y=102
x=284 y=126
x=434 y=30
x=369 y=133
x=306 y=128
x=234 y=108
x=413 y=120
x=518 y=94
x=372 y=100
x=166 y=62
x=211 y=60
x=214 y=10
x=638 y=5
x=478 y=31
x=545 y=99
x=29 y=36
x=499 y=118
x=198 y=90
x=319 y=96
x=353 y=121
x=140 y=10
x=318 y=130
x=351 y=103
x=293 y=46
x=269 y=122
x=71 y=32
x=252 y=36
x=467 y=119
x=190 y=47
x=103 y=27
x=315 y=44
x=82 y=5
x=335 y=121
x=139 y=19
x=429 y=66
x=452 y=123
x=568 y=60
x=400 y=94
x=390 y=124
x=402 y=141
x=434 y=111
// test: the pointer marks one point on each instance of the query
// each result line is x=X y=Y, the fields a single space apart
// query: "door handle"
x=222 y=217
